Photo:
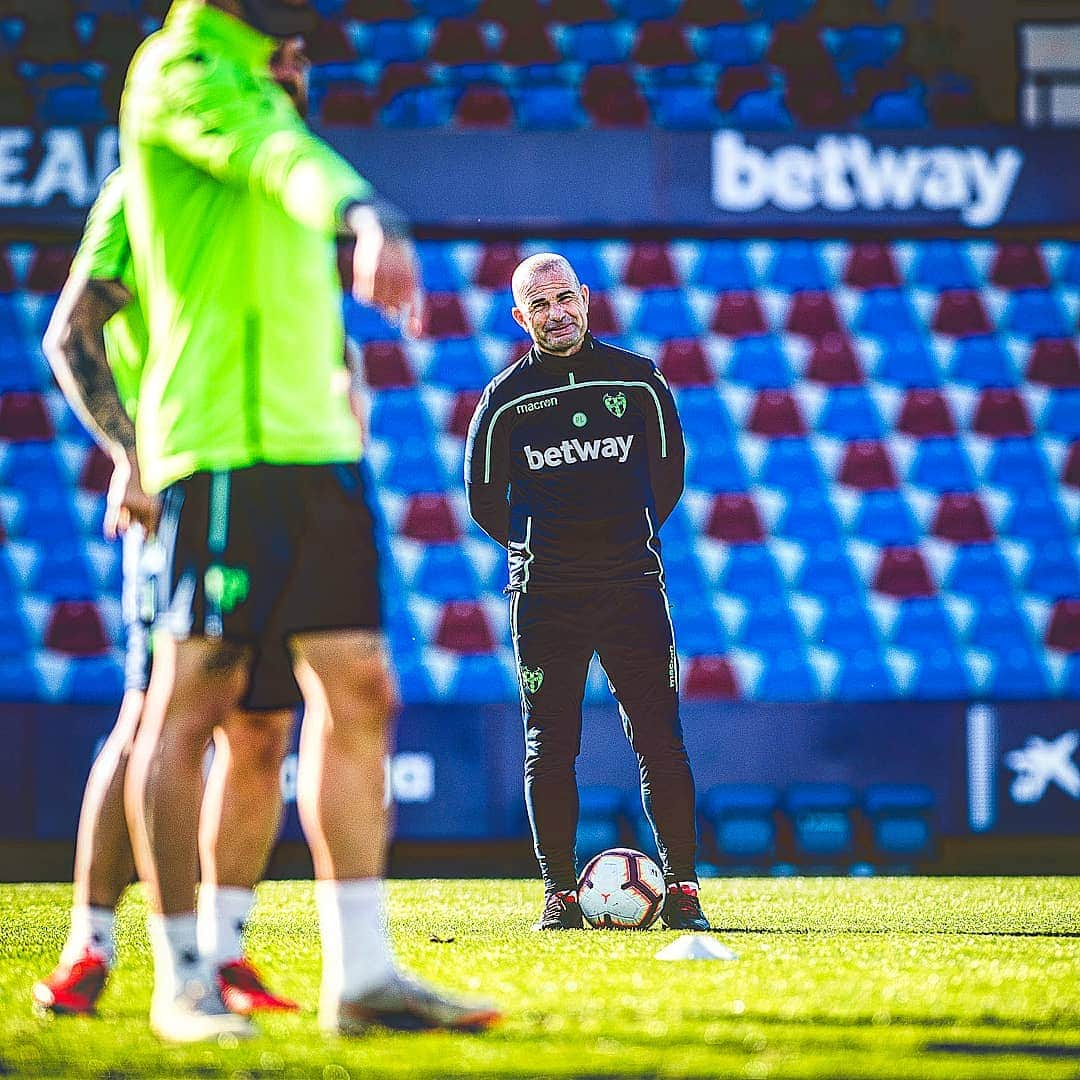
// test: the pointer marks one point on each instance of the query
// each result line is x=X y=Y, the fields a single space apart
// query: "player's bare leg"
x=349 y=699
x=103 y=868
x=241 y=816
x=194 y=686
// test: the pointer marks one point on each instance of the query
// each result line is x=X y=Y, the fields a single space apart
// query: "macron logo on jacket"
x=571 y=450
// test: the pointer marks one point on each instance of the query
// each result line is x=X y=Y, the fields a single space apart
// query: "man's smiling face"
x=553 y=308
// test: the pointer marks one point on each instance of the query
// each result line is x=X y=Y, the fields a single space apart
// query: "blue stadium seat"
x=850 y=413
x=999 y=624
x=792 y=465
x=1071 y=686
x=1020 y=672
x=856 y=47
x=822 y=820
x=761 y=110
x=1036 y=313
x=14 y=633
x=597 y=43
x=93 y=680
x=751 y=573
x=775 y=11
x=445 y=573
x=908 y=361
x=458 y=364
x=733 y=44
x=419 y=107
x=770 y=627
x=716 y=465
x=414 y=469
x=446 y=9
x=798 y=265
x=686 y=108
x=980 y=571
x=943 y=264
x=414 y=680
x=665 y=314
x=1036 y=515
x=19 y=680
x=1017 y=463
x=46 y=517
x=759 y=362
x=885 y=518
x=864 y=676
x=683 y=576
x=787 y=677
x=941 y=675
x=828 y=572
x=395 y=41
x=743 y=820
x=809 y=517
x=400 y=416
x=1052 y=571
x=599 y=813
x=1070 y=267
x=723 y=267
x=584 y=256
x=499 y=321
x=438 y=270
x=364 y=323
x=887 y=313
x=703 y=413
x=899 y=110
x=847 y=626
x=1062 y=416
x=481 y=679
x=33 y=466
x=61 y=572
x=923 y=625
x=698 y=630
x=901 y=819
x=982 y=362
x=942 y=465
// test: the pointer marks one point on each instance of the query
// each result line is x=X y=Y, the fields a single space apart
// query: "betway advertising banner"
x=735 y=180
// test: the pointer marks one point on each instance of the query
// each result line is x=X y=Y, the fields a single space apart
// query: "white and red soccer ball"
x=621 y=889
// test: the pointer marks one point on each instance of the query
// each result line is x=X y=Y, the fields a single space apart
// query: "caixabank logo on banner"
x=976 y=180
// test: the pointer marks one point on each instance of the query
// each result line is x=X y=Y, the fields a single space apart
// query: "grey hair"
x=535 y=265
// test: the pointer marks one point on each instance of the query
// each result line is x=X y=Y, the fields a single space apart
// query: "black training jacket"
x=573 y=463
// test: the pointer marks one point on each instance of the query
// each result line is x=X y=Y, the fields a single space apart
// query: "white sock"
x=356 y=946
x=91 y=928
x=222 y=913
x=174 y=944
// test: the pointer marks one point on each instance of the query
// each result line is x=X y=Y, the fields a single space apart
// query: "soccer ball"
x=621 y=889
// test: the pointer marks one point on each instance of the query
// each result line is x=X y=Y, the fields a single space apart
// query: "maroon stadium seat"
x=347 y=104
x=116 y=37
x=738 y=314
x=444 y=316
x=902 y=572
x=649 y=266
x=614 y=109
x=871 y=82
x=484 y=107
x=962 y=518
x=833 y=362
x=373 y=11
x=776 y=413
x=49 y=269
x=1001 y=412
x=1071 y=473
x=662 y=42
x=398 y=77
x=24 y=417
x=464 y=628
x=737 y=82
x=683 y=362
x=1064 y=630
x=734 y=519
x=960 y=313
x=710 y=678
x=816 y=106
x=430 y=519
x=1019 y=266
x=603 y=320
x=580 y=11
x=329 y=43
x=1054 y=362
x=496 y=266
x=871 y=265
x=386 y=365
x=75 y=628
x=527 y=42
x=798 y=44
x=48 y=37
x=96 y=472
x=867 y=466
x=603 y=79
x=925 y=413
x=462 y=412
x=712 y=12
x=813 y=315
x=7 y=274
x=458 y=41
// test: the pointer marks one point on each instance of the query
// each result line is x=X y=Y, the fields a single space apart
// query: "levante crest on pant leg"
x=532 y=678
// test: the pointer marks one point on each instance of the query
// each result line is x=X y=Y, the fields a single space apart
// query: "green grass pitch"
x=835 y=978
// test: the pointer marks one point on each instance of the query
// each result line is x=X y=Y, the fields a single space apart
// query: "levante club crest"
x=616 y=404
x=533 y=678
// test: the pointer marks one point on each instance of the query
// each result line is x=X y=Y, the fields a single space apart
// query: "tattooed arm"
x=74 y=344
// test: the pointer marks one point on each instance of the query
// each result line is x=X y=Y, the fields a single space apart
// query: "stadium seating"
x=843 y=455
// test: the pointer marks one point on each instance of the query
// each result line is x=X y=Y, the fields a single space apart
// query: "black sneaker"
x=682 y=909
x=561 y=912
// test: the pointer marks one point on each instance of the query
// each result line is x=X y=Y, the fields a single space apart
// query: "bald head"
x=550 y=304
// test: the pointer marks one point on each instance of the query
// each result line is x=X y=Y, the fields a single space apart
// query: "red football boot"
x=244 y=992
x=73 y=990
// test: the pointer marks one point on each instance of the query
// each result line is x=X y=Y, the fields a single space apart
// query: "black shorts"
x=255 y=555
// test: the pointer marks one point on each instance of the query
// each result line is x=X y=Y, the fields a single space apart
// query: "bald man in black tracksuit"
x=574 y=459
